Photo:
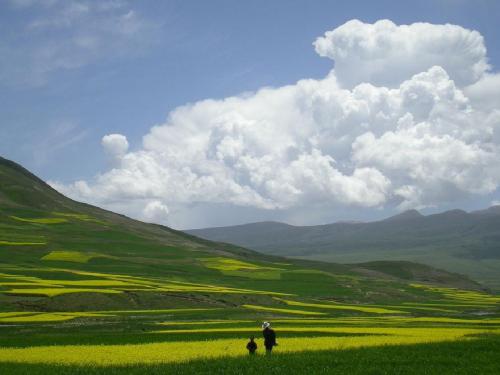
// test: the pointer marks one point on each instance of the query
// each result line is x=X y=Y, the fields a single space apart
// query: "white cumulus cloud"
x=404 y=133
x=115 y=145
x=384 y=53
x=155 y=211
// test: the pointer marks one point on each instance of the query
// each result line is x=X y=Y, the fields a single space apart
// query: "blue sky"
x=167 y=54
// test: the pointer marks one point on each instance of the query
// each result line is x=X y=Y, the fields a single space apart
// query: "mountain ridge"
x=455 y=240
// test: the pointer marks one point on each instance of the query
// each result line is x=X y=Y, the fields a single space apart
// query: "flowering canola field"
x=188 y=350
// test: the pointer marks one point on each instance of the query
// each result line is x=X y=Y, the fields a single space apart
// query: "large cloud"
x=317 y=143
x=386 y=54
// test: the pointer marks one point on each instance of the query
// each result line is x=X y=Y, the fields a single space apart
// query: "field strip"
x=14 y=243
x=278 y=310
x=41 y=220
x=74 y=256
x=388 y=331
x=119 y=283
x=205 y=322
x=49 y=292
x=160 y=311
x=40 y=317
x=389 y=320
x=184 y=351
x=374 y=310
x=48 y=317
x=312 y=329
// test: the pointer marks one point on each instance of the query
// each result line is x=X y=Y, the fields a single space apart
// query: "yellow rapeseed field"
x=278 y=310
x=51 y=292
x=339 y=306
x=42 y=220
x=235 y=267
x=120 y=283
x=47 y=317
x=168 y=352
x=82 y=217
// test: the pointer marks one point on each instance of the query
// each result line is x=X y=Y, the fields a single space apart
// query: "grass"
x=283 y=311
x=42 y=220
x=52 y=292
x=160 y=301
x=15 y=243
x=185 y=351
x=37 y=317
x=82 y=217
x=375 y=310
x=118 y=281
x=48 y=317
x=235 y=267
x=464 y=296
x=72 y=256
x=478 y=356
x=192 y=344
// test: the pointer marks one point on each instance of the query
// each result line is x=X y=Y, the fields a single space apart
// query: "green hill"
x=60 y=255
x=467 y=243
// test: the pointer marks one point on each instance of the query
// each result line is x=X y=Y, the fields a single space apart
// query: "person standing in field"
x=251 y=346
x=269 y=337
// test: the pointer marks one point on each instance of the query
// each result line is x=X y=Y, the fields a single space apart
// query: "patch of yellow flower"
x=462 y=296
x=235 y=267
x=51 y=292
x=169 y=352
x=46 y=317
x=41 y=220
x=339 y=306
x=278 y=310
x=119 y=283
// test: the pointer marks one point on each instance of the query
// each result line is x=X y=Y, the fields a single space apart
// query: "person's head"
x=266 y=325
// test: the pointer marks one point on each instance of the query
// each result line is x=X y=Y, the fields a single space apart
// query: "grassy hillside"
x=57 y=254
x=457 y=241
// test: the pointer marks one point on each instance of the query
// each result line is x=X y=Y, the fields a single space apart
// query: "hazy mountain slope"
x=455 y=240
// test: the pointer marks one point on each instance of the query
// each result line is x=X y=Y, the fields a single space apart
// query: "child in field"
x=251 y=346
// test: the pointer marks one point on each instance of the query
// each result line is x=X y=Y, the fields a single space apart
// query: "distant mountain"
x=407 y=215
x=455 y=240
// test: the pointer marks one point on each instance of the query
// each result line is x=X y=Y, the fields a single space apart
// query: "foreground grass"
x=478 y=356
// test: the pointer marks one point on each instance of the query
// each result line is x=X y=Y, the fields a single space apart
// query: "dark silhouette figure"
x=269 y=337
x=252 y=346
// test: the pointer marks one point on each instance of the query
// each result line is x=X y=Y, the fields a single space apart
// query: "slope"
x=455 y=240
x=60 y=255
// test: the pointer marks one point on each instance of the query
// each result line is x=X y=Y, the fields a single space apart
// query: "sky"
x=196 y=114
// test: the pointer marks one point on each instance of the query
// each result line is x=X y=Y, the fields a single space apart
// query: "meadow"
x=183 y=342
x=321 y=339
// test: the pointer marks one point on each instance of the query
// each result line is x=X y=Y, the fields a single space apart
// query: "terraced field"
x=166 y=338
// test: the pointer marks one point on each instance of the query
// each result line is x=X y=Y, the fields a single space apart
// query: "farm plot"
x=23 y=284
x=297 y=336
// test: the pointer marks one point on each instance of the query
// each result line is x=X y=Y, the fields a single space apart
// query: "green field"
x=83 y=290
x=199 y=341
